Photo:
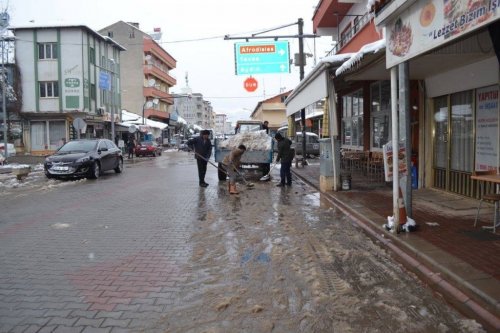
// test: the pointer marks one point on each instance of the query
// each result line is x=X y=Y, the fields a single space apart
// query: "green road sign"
x=262 y=58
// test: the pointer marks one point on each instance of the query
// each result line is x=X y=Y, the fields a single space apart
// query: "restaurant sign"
x=426 y=25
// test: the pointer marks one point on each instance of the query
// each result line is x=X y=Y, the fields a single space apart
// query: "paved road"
x=150 y=251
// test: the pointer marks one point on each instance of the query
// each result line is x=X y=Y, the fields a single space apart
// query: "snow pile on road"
x=259 y=140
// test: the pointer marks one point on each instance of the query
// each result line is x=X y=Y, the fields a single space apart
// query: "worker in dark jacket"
x=202 y=148
x=285 y=154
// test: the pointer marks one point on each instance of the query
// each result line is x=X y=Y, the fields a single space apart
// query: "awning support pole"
x=395 y=148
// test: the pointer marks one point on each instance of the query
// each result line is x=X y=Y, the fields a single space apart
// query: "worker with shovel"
x=202 y=148
x=231 y=164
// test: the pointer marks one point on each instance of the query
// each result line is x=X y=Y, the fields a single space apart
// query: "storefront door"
x=453 y=142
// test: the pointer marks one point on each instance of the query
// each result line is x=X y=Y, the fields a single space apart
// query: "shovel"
x=248 y=184
x=266 y=177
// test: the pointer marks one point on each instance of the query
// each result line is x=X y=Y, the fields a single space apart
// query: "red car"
x=148 y=148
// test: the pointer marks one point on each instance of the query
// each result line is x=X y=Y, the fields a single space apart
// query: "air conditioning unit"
x=101 y=110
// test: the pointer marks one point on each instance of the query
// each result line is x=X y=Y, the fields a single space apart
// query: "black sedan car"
x=84 y=158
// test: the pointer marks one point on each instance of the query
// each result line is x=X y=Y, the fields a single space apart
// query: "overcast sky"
x=193 y=33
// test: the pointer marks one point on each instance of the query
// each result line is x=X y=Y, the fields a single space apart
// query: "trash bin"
x=345 y=180
x=325 y=158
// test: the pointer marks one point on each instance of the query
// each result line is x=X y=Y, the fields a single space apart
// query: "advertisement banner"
x=388 y=161
x=487 y=128
x=426 y=25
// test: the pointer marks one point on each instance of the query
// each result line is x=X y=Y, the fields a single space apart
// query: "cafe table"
x=494 y=178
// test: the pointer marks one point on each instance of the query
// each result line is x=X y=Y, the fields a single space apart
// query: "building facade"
x=67 y=72
x=272 y=109
x=448 y=79
x=146 y=72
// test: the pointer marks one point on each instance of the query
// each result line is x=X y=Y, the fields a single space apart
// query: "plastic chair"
x=490 y=197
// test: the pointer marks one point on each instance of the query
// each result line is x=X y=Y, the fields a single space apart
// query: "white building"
x=67 y=72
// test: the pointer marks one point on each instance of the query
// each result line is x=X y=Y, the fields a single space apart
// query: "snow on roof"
x=356 y=58
x=48 y=25
x=129 y=118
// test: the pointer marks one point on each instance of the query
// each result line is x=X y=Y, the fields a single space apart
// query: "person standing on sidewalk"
x=231 y=164
x=285 y=154
x=131 y=147
x=202 y=148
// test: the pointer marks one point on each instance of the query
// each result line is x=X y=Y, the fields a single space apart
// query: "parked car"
x=183 y=145
x=148 y=148
x=312 y=143
x=11 y=150
x=84 y=158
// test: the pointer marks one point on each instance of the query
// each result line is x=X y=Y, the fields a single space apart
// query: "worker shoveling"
x=248 y=184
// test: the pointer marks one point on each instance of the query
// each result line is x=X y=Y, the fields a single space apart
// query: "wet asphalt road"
x=151 y=251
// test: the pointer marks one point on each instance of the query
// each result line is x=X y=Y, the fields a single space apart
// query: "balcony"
x=153 y=92
x=156 y=114
x=348 y=35
x=159 y=73
x=150 y=46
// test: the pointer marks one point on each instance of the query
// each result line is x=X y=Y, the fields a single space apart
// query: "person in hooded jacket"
x=285 y=155
x=231 y=163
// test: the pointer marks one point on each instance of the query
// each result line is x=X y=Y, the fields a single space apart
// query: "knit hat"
x=278 y=136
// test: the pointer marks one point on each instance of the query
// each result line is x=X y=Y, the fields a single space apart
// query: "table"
x=494 y=179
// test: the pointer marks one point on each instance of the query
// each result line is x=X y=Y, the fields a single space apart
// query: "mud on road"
x=284 y=260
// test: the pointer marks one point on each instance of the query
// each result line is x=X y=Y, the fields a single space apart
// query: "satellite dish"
x=149 y=104
x=148 y=58
x=156 y=101
x=132 y=128
x=151 y=82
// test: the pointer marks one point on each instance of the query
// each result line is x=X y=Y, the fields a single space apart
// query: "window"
x=110 y=34
x=352 y=121
x=92 y=91
x=49 y=89
x=47 y=51
x=92 y=55
x=380 y=105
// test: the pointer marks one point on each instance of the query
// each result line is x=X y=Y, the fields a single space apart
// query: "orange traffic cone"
x=403 y=218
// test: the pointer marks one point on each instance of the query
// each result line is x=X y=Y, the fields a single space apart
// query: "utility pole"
x=300 y=23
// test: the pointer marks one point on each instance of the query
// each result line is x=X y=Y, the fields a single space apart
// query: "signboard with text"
x=268 y=57
x=487 y=128
x=426 y=25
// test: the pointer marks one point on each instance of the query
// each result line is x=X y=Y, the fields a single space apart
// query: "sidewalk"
x=457 y=260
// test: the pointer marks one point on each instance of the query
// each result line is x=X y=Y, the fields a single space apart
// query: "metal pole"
x=302 y=111
x=395 y=148
x=112 y=105
x=4 y=108
x=404 y=130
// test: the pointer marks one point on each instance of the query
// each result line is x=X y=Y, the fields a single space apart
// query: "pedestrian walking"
x=131 y=147
x=231 y=164
x=202 y=147
x=285 y=155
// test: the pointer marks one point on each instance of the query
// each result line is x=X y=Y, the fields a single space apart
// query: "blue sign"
x=262 y=58
x=104 y=81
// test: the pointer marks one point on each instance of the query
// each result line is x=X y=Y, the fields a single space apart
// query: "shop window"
x=380 y=106
x=352 y=121
x=462 y=126
x=57 y=134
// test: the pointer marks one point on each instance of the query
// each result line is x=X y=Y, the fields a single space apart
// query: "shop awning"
x=314 y=86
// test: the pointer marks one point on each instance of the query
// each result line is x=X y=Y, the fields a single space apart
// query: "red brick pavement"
x=450 y=230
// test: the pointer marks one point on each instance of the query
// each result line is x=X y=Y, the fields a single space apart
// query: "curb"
x=429 y=276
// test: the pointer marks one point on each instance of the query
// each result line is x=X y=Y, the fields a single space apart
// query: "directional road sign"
x=262 y=58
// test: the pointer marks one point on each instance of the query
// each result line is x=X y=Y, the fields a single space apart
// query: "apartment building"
x=146 y=72
x=67 y=72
